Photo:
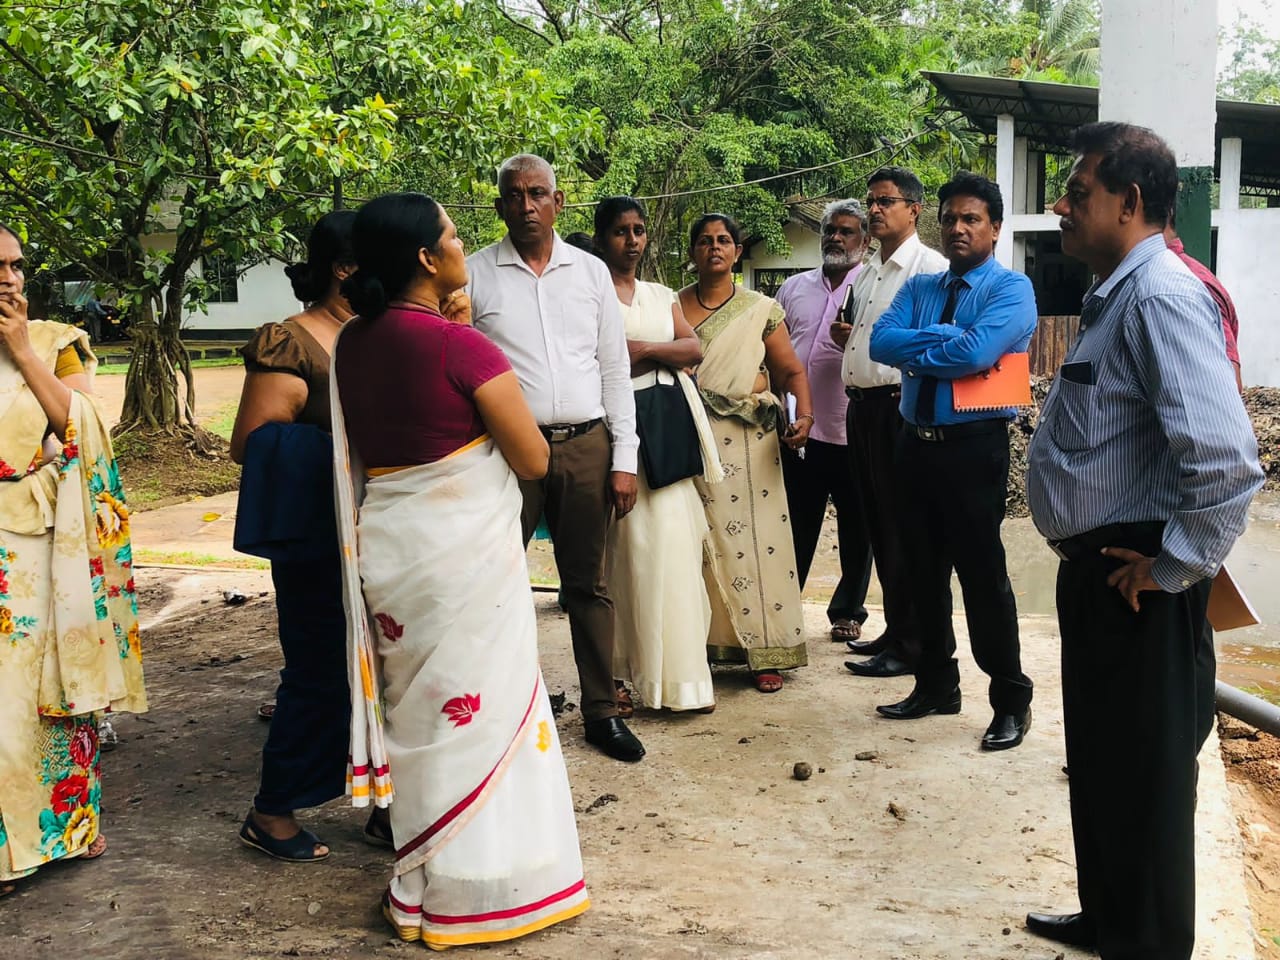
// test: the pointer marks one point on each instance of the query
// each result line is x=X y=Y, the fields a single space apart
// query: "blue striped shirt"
x=1144 y=422
x=995 y=314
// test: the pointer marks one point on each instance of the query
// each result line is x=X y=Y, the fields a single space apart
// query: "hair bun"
x=365 y=294
x=306 y=286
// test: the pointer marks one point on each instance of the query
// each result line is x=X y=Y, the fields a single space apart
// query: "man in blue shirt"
x=1139 y=475
x=954 y=465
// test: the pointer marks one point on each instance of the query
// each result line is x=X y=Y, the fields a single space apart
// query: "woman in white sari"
x=430 y=433
x=655 y=552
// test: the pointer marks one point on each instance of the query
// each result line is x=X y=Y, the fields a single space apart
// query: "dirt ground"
x=1253 y=772
x=926 y=848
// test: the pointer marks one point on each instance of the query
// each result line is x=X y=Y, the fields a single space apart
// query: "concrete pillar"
x=1229 y=174
x=1017 y=203
x=1005 y=180
x=1158 y=62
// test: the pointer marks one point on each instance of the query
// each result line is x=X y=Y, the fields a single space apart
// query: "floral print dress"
x=69 y=642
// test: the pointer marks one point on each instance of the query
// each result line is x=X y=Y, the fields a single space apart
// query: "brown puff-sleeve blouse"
x=288 y=348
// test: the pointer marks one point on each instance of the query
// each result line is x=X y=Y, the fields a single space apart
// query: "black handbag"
x=669 y=446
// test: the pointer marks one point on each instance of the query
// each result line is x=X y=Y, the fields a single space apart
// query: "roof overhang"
x=1047 y=113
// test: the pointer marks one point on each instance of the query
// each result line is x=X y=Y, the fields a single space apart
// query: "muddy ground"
x=925 y=849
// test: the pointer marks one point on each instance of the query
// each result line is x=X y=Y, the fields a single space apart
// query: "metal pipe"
x=1252 y=710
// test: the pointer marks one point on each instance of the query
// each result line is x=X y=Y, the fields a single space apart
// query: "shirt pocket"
x=1074 y=421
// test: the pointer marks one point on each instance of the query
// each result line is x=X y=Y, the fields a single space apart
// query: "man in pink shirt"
x=811 y=301
x=1230 y=322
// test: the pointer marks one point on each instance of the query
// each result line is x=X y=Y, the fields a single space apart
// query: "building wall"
x=806 y=253
x=264 y=295
x=1247 y=244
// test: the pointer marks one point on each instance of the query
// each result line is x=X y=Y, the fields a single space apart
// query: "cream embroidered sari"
x=69 y=645
x=749 y=563
x=448 y=701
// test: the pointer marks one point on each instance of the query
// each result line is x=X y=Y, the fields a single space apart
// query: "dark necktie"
x=927 y=396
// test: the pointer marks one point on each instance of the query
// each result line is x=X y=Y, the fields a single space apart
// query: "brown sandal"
x=845 y=630
x=96 y=849
x=626 y=706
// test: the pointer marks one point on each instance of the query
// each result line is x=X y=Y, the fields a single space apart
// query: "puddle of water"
x=1247 y=658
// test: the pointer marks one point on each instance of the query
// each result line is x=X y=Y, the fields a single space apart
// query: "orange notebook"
x=1229 y=608
x=1007 y=384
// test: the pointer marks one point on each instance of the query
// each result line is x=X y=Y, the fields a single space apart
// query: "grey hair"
x=526 y=163
x=843 y=208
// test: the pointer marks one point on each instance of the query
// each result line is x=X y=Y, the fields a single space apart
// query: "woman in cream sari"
x=655 y=553
x=68 y=612
x=750 y=566
x=449 y=712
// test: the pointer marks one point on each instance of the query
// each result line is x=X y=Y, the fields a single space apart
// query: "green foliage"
x=1253 y=71
x=146 y=133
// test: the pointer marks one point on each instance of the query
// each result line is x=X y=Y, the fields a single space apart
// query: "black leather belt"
x=954 y=431
x=1142 y=536
x=560 y=432
x=869 y=393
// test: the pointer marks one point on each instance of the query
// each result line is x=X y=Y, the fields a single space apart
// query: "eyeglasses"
x=884 y=203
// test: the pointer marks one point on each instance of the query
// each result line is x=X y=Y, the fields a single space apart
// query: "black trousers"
x=952 y=506
x=304 y=761
x=873 y=425
x=1133 y=788
x=825 y=473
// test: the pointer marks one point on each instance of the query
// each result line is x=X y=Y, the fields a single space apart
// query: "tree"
x=225 y=125
x=1253 y=70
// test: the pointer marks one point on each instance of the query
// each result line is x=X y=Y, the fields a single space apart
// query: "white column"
x=1158 y=61
x=1229 y=174
x=1021 y=182
x=1005 y=180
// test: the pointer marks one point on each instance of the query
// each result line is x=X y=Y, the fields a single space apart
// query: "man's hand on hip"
x=1134 y=577
x=622 y=487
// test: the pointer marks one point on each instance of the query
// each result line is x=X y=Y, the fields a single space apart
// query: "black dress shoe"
x=921 y=704
x=869 y=648
x=1007 y=730
x=611 y=736
x=1069 y=928
x=881 y=665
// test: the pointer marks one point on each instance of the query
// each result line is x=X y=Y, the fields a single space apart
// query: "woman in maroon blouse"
x=431 y=431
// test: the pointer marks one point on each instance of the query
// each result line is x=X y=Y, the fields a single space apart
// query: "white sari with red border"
x=448 y=700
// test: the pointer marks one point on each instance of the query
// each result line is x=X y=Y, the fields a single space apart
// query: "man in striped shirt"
x=1140 y=475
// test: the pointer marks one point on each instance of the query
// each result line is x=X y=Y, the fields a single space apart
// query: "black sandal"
x=300 y=848
x=377 y=829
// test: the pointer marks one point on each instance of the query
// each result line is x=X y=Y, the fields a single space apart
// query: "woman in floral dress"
x=69 y=645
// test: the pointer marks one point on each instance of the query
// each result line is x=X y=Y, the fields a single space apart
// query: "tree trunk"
x=152 y=403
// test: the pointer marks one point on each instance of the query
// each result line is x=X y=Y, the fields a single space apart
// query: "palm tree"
x=1066 y=45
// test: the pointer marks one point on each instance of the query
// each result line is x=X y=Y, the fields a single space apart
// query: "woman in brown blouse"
x=287 y=382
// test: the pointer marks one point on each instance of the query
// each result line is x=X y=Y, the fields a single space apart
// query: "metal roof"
x=1046 y=113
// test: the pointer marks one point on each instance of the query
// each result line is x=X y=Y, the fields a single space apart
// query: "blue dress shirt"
x=995 y=314
x=1144 y=423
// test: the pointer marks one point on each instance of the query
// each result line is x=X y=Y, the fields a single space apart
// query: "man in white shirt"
x=553 y=311
x=894 y=197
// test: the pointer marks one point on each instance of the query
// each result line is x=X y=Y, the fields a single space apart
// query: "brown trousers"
x=575 y=497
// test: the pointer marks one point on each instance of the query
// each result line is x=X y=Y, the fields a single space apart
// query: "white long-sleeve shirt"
x=564 y=336
x=873 y=291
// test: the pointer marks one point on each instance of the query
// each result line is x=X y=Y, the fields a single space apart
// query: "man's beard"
x=841 y=259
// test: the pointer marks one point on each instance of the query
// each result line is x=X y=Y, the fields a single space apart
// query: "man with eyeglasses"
x=811 y=301
x=894 y=196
